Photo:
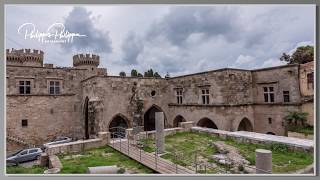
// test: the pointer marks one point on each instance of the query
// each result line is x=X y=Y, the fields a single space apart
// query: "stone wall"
x=308 y=107
x=304 y=70
x=48 y=117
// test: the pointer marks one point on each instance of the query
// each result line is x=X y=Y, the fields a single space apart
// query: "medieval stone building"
x=44 y=101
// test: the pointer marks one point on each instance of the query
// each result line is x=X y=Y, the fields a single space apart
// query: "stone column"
x=263 y=161
x=159 y=118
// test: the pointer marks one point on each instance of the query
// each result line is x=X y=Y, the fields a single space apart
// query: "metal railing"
x=182 y=163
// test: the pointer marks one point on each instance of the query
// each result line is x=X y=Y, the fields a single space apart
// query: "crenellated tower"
x=86 y=61
x=24 y=57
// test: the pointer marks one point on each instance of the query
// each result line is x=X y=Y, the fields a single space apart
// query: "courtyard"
x=199 y=152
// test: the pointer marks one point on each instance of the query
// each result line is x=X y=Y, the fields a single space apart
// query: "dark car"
x=24 y=156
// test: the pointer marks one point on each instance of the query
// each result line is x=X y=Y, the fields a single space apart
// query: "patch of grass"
x=104 y=156
x=283 y=160
x=23 y=170
x=307 y=130
x=182 y=147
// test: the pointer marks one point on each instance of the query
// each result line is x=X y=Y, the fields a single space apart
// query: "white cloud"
x=273 y=62
x=185 y=41
x=245 y=59
x=303 y=43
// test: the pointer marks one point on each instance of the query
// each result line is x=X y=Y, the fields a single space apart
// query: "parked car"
x=58 y=140
x=23 y=156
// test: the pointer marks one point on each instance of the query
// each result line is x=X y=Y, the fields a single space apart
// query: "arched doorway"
x=149 y=118
x=178 y=120
x=208 y=123
x=245 y=125
x=271 y=133
x=86 y=118
x=118 y=125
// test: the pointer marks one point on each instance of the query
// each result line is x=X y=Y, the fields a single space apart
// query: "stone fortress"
x=44 y=101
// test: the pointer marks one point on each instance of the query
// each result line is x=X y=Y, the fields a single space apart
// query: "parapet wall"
x=24 y=57
x=86 y=60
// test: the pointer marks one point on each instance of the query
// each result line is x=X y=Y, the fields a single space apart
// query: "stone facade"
x=89 y=101
x=307 y=90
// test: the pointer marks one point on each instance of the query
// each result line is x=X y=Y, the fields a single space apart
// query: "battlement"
x=86 y=60
x=24 y=57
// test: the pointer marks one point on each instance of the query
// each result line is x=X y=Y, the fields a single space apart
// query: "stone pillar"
x=159 y=118
x=263 y=161
x=105 y=137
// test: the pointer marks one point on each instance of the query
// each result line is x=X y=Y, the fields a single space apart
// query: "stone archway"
x=117 y=126
x=245 y=125
x=149 y=118
x=207 y=123
x=178 y=120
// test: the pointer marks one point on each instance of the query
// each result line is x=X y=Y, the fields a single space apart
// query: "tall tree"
x=303 y=54
x=167 y=75
x=134 y=73
x=149 y=73
x=122 y=74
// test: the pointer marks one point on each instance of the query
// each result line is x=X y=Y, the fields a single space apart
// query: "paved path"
x=150 y=160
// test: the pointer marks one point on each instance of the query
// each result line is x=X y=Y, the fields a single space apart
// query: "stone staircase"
x=20 y=141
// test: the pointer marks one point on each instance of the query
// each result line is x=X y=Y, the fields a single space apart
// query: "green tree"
x=156 y=75
x=134 y=73
x=167 y=75
x=149 y=73
x=295 y=118
x=303 y=54
x=122 y=74
x=140 y=75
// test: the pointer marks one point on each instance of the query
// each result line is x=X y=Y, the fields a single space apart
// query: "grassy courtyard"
x=181 y=148
x=104 y=156
x=187 y=146
x=79 y=163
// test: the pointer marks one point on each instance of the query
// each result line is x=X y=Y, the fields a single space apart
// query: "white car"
x=59 y=140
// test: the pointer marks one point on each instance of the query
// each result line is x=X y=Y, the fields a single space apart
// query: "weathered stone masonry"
x=88 y=100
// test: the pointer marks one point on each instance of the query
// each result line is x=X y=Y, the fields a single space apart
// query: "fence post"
x=128 y=145
x=263 y=161
x=120 y=144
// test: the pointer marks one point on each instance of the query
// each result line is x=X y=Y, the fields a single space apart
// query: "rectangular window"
x=268 y=94
x=286 y=96
x=179 y=96
x=24 y=122
x=24 y=87
x=205 y=96
x=270 y=120
x=54 y=87
x=310 y=84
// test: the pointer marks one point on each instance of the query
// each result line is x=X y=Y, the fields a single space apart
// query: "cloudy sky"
x=174 y=39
